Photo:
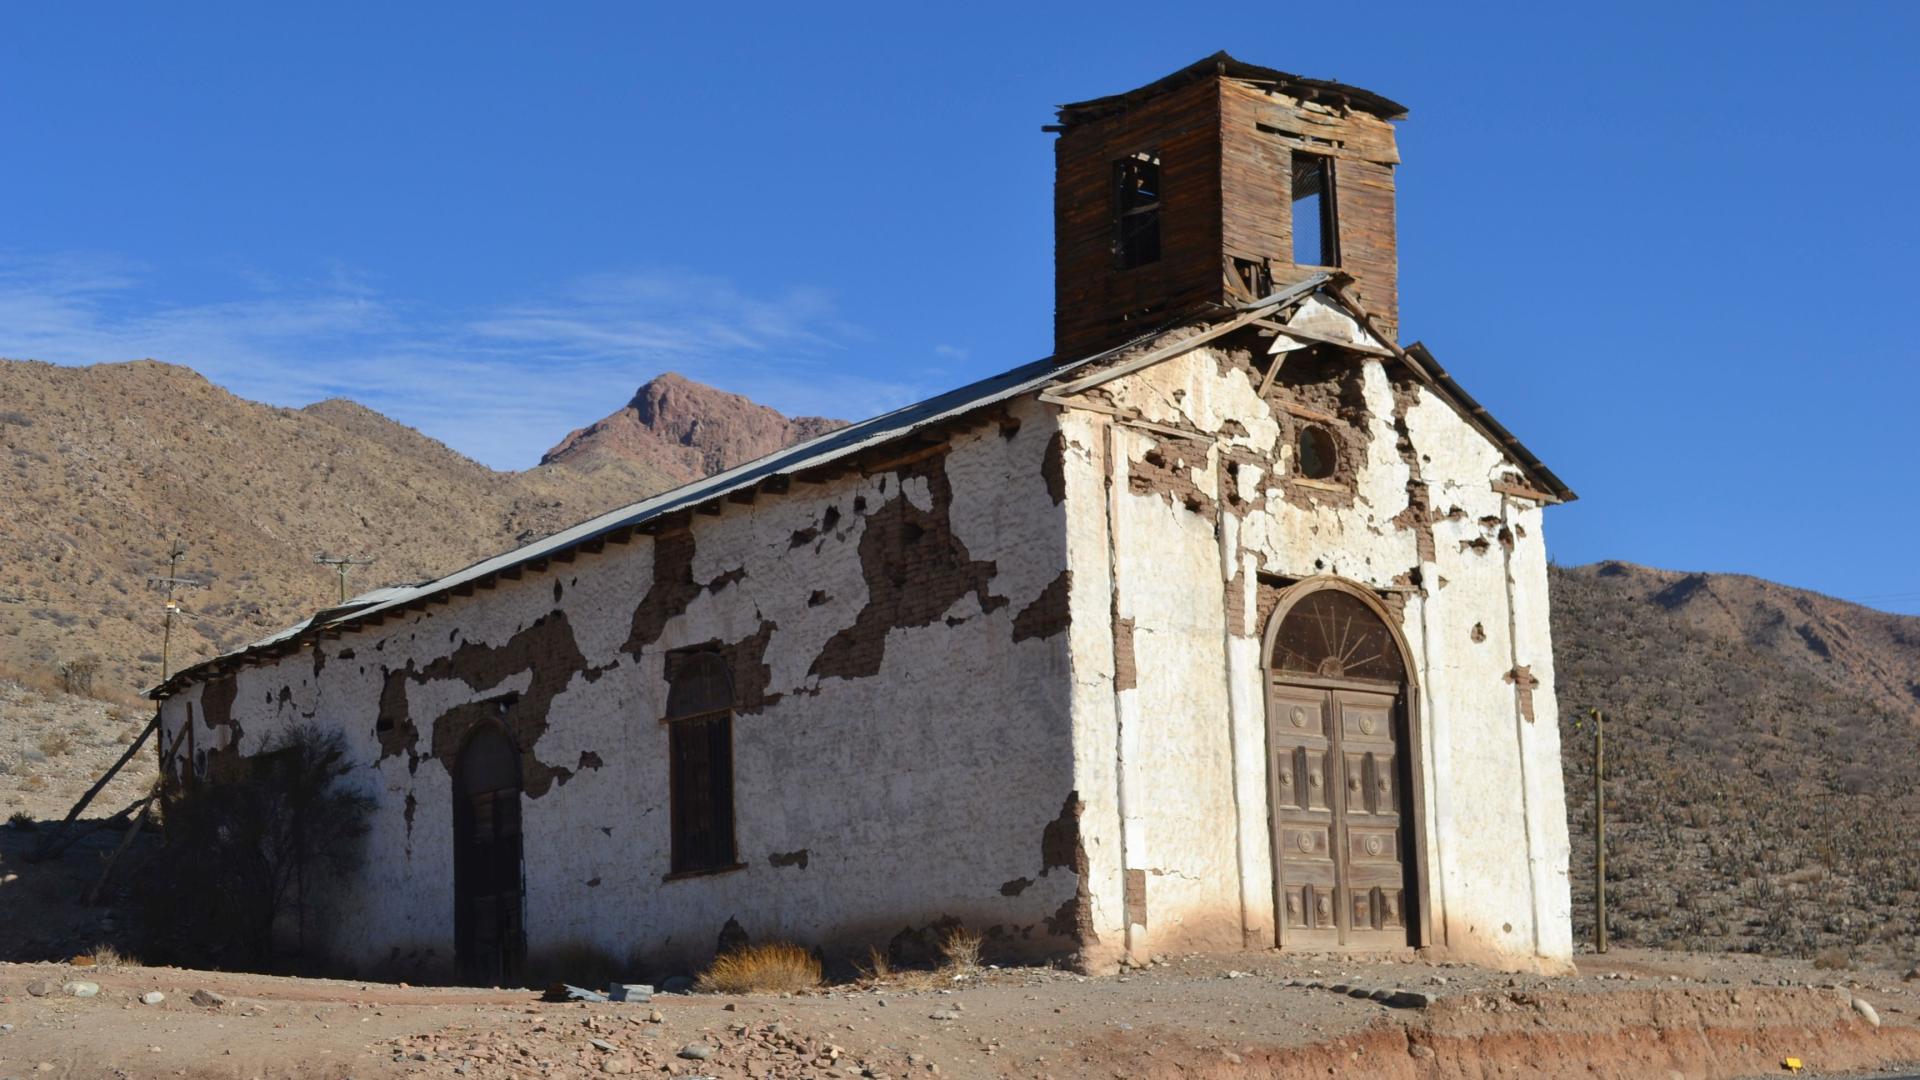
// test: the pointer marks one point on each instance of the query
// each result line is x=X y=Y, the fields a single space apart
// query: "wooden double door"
x=1336 y=778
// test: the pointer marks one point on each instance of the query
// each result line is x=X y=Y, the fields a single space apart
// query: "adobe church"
x=1222 y=628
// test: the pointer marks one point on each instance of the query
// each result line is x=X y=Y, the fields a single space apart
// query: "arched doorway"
x=1343 y=772
x=489 y=941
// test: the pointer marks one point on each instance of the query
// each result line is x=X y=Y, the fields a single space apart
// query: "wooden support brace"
x=45 y=847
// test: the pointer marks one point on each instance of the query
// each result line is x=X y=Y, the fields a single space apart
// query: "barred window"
x=700 y=750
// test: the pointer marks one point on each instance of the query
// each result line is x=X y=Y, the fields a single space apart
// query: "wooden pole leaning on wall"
x=1599 y=830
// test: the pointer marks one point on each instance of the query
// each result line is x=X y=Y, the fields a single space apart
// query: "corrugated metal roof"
x=823 y=450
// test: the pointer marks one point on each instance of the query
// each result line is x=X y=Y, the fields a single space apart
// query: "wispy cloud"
x=499 y=384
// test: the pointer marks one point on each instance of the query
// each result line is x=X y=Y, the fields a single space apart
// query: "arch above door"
x=1346 y=771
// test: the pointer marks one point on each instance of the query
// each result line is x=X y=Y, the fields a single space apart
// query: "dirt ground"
x=1629 y=1014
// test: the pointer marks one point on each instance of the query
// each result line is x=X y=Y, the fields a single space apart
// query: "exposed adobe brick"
x=1135 y=895
x=1167 y=469
x=1418 y=514
x=671 y=590
x=746 y=662
x=1047 y=615
x=1125 y=674
x=1524 y=684
x=915 y=568
x=1053 y=467
x=545 y=649
x=1062 y=848
x=789 y=858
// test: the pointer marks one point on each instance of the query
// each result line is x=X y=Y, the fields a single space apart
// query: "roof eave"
x=1477 y=415
x=1222 y=64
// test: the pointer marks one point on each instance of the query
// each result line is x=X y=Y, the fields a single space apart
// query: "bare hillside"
x=106 y=466
x=1761 y=746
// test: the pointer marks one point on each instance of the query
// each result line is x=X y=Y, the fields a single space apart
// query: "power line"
x=341 y=563
x=170 y=582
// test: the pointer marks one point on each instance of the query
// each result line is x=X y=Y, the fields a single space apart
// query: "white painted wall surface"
x=918 y=793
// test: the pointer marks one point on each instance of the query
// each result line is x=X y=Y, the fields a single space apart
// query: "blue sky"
x=1671 y=246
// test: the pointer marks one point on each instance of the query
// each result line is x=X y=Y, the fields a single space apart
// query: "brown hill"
x=1761 y=742
x=685 y=430
x=106 y=466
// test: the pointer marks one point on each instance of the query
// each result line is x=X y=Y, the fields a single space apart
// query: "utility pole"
x=1599 y=829
x=340 y=563
x=169 y=583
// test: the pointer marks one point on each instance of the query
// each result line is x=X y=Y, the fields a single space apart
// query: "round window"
x=1318 y=456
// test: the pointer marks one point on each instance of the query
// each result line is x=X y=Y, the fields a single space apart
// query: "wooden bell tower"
x=1213 y=186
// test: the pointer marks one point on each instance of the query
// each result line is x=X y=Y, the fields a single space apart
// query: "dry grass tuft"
x=106 y=956
x=960 y=949
x=1832 y=959
x=878 y=966
x=775 y=967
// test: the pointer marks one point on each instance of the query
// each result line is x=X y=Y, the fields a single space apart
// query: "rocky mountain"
x=1761 y=742
x=684 y=430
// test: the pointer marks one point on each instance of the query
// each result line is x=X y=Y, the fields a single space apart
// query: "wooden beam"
x=1128 y=417
x=1523 y=492
x=1321 y=485
x=903 y=459
x=1318 y=338
x=1366 y=319
x=1267 y=308
x=1305 y=413
x=1273 y=372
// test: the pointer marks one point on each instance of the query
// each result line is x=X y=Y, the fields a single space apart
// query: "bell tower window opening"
x=1316 y=237
x=1136 y=210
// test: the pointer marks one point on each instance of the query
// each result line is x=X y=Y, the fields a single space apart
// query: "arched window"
x=700 y=752
x=1332 y=634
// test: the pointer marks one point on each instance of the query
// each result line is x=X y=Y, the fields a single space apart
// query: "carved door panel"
x=1333 y=775
x=1373 y=872
x=1301 y=780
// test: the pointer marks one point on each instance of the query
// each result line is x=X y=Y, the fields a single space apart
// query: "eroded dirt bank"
x=1261 y=1015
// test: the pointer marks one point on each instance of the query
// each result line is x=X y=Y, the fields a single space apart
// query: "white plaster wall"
x=1191 y=735
x=919 y=793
